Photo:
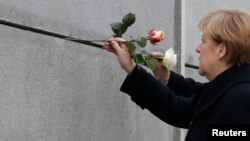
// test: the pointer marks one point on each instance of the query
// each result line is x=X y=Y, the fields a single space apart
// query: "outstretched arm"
x=147 y=92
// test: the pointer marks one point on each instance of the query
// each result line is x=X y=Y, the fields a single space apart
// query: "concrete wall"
x=57 y=90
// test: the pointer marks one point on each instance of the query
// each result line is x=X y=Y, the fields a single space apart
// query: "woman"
x=224 y=61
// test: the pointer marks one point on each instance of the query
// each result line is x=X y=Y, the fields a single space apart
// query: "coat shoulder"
x=239 y=93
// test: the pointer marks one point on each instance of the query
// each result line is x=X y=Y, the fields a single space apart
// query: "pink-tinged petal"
x=156 y=35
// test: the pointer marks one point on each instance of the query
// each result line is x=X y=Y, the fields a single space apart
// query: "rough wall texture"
x=56 y=90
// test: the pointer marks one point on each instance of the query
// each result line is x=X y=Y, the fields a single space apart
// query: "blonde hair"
x=232 y=28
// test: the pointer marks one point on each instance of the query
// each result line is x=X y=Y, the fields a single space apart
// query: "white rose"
x=170 y=59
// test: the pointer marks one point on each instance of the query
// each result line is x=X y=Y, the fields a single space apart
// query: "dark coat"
x=224 y=100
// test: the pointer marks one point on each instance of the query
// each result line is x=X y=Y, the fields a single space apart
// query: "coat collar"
x=219 y=85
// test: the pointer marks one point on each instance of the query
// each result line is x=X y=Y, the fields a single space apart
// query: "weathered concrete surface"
x=56 y=90
x=52 y=89
x=90 y=19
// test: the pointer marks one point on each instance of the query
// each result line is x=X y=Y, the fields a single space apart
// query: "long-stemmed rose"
x=170 y=59
x=156 y=35
x=144 y=58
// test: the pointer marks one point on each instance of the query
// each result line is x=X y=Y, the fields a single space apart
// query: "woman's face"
x=208 y=56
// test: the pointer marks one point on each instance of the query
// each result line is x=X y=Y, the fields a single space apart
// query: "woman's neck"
x=218 y=70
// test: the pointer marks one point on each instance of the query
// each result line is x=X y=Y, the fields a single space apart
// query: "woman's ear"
x=221 y=50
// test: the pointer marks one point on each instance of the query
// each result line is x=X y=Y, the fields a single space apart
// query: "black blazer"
x=187 y=104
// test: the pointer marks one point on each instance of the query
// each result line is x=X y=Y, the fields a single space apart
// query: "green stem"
x=91 y=42
x=86 y=42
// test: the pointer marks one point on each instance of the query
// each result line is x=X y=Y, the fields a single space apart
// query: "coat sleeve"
x=147 y=92
x=186 y=87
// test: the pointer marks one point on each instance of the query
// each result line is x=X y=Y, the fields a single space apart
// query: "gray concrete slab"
x=56 y=90
x=90 y=19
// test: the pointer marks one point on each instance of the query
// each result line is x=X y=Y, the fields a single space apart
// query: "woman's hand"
x=160 y=72
x=116 y=46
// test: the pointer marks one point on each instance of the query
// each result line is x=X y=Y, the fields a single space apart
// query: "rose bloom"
x=170 y=59
x=156 y=35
